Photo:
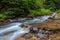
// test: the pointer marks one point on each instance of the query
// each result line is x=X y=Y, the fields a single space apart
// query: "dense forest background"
x=16 y=8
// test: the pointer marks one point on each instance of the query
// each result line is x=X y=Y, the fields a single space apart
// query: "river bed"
x=39 y=23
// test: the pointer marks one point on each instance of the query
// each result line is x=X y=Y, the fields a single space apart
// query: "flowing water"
x=15 y=30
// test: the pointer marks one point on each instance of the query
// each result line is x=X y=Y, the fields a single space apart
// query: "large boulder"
x=57 y=16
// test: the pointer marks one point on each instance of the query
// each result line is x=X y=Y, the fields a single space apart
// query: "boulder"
x=57 y=16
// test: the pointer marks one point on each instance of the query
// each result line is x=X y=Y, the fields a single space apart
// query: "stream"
x=15 y=29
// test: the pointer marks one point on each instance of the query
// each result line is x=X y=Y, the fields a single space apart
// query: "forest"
x=23 y=8
x=29 y=19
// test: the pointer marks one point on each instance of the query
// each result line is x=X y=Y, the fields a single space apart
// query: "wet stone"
x=34 y=30
x=57 y=16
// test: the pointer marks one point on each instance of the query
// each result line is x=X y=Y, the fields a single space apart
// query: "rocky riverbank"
x=50 y=24
x=55 y=36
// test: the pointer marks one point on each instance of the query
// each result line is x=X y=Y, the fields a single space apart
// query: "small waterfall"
x=19 y=33
x=11 y=27
x=40 y=20
x=16 y=26
x=52 y=15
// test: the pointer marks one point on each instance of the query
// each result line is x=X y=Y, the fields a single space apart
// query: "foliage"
x=45 y=11
x=49 y=4
x=35 y=12
x=52 y=4
x=3 y=16
x=40 y=11
x=28 y=7
x=58 y=11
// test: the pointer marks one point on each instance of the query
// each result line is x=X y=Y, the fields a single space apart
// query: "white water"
x=11 y=27
x=40 y=20
x=17 y=26
x=18 y=33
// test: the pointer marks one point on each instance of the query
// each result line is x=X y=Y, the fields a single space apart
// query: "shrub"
x=58 y=11
x=3 y=16
x=26 y=7
x=45 y=11
x=20 y=6
x=41 y=11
